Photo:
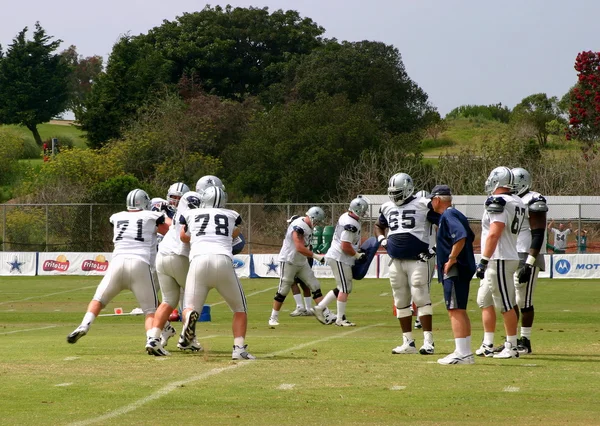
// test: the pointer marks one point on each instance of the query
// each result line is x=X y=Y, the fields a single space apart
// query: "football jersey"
x=560 y=238
x=409 y=230
x=288 y=251
x=171 y=242
x=135 y=233
x=524 y=240
x=210 y=230
x=512 y=215
x=347 y=229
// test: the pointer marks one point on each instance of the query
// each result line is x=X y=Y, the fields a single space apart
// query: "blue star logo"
x=272 y=266
x=15 y=265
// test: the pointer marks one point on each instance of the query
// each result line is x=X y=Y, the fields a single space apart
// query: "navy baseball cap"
x=440 y=190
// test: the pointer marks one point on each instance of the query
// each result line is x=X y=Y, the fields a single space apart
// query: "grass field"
x=49 y=130
x=306 y=373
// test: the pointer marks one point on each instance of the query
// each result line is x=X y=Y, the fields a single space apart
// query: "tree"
x=537 y=110
x=435 y=124
x=233 y=53
x=584 y=105
x=33 y=81
x=84 y=73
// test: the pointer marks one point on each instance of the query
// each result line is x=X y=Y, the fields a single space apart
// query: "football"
x=174 y=316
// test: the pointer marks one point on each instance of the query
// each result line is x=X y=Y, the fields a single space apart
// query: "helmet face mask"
x=206 y=182
x=359 y=206
x=400 y=188
x=138 y=199
x=522 y=180
x=316 y=215
x=175 y=193
x=213 y=197
x=500 y=177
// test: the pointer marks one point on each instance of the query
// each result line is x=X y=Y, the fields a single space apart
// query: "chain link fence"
x=86 y=228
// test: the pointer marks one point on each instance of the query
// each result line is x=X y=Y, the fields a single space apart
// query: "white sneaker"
x=273 y=322
x=190 y=345
x=318 y=311
x=308 y=312
x=485 y=350
x=428 y=348
x=407 y=347
x=456 y=358
x=155 y=347
x=167 y=332
x=331 y=318
x=343 y=322
x=240 y=352
x=298 y=312
x=77 y=334
x=509 y=351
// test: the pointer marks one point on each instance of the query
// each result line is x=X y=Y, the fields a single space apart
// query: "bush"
x=436 y=143
x=31 y=149
x=113 y=190
x=11 y=149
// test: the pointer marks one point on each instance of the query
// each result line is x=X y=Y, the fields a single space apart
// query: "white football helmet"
x=522 y=180
x=316 y=215
x=213 y=197
x=400 y=187
x=190 y=200
x=422 y=193
x=138 y=199
x=500 y=177
x=208 y=181
x=359 y=206
x=158 y=204
x=176 y=190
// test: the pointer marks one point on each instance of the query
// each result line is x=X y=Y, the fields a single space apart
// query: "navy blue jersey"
x=453 y=227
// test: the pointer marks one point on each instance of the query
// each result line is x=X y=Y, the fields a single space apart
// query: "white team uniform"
x=560 y=238
x=135 y=247
x=498 y=287
x=346 y=230
x=409 y=235
x=172 y=261
x=211 y=258
x=293 y=264
x=524 y=293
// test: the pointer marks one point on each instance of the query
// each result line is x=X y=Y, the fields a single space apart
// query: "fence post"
x=91 y=226
x=578 y=236
x=249 y=237
x=47 y=220
x=4 y=230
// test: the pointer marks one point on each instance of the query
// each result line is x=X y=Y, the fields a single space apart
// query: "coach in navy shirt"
x=455 y=266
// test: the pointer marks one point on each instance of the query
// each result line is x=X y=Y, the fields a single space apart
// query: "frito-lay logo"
x=99 y=264
x=60 y=264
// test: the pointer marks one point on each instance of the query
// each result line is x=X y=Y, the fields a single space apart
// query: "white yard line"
x=47 y=295
x=29 y=329
x=174 y=385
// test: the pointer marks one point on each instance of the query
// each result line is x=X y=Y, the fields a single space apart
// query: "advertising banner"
x=265 y=266
x=17 y=263
x=241 y=263
x=70 y=263
x=576 y=266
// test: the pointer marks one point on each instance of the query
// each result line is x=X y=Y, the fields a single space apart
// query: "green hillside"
x=55 y=129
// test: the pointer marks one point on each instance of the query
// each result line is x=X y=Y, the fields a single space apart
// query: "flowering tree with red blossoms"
x=584 y=108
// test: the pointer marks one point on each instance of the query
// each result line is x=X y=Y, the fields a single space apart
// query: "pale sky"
x=459 y=51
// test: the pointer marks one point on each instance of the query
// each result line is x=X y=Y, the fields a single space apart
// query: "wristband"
x=381 y=238
x=530 y=260
x=451 y=257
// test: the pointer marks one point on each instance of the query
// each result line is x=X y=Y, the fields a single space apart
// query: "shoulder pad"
x=495 y=204
x=350 y=227
x=538 y=205
x=299 y=230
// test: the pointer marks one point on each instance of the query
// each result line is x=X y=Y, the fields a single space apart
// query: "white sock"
x=428 y=336
x=526 y=332
x=88 y=319
x=512 y=340
x=488 y=338
x=153 y=333
x=308 y=302
x=329 y=297
x=298 y=299
x=407 y=336
x=461 y=346
x=274 y=314
x=238 y=341
x=341 y=309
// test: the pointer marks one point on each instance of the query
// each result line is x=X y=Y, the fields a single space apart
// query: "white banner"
x=265 y=266
x=575 y=266
x=17 y=263
x=69 y=263
x=241 y=263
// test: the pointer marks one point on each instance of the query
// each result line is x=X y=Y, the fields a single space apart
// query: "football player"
x=407 y=219
x=210 y=231
x=174 y=194
x=303 y=298
x=134 y=239
x=530 y=243
x=502 y=219
x=292 y=262
x=341 y=257
x=172 y=265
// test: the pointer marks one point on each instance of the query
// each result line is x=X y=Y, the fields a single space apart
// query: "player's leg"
x=525 y=304
x=287 y=274
x=402 y=301
x=485 y=301
x=299 y=311
x=418 y=276
x=343 y=277
x=196 y=291
x=307 y=298
x=501 y=273
x=306 y=274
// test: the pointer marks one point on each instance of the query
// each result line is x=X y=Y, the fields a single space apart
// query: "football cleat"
x=524 y=346
x=498 y=349
x=167 y=332
x=456 y=358
x=298 y=312
x=508 y=352
x=154 y=347
x=485 y=350
x=273 y=322
x=240 y=353
x=189 y=329
x=428 y=348
x=330 y=318
x=343 y=322
x=191 y=345
x=318 y=311
x=77 y=334
x=309 y=312
x=407 y=347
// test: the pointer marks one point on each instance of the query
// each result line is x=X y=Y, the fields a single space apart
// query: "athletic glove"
x=318 y=257
x=360 y=256
x=524 y=273
x=481 y=267
x=382 y=241
x=424 y=257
